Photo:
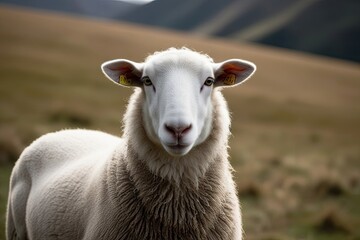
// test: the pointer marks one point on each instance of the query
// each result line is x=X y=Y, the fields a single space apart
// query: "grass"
x=4 y=187
x=295 y=124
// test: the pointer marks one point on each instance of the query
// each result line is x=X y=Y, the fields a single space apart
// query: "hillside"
x=90 y=8
x=329 y=28
x=295 y=126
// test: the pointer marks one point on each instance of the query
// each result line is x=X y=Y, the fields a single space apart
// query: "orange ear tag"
x=124 y=80
x=230 y=79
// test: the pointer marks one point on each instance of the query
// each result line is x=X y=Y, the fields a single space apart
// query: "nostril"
x=185 y=130
x=170 y=129
x=178 y=131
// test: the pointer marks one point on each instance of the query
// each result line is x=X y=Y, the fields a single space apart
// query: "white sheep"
x=168 y=177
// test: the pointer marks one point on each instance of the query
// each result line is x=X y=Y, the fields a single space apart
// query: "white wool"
x=191 y=166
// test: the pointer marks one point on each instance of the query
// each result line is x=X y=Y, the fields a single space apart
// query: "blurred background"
x=295 y=143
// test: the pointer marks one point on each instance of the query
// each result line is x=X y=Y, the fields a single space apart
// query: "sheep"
x=167 y=177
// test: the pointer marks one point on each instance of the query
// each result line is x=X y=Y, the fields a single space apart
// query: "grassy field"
x=296 y=132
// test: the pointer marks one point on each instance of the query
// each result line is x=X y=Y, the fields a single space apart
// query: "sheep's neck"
x=166 y=208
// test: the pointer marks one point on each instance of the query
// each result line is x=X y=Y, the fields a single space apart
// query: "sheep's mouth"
x=178 y=146
x=177 y=149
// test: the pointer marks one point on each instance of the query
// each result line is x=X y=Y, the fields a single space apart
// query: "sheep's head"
x=178 y=84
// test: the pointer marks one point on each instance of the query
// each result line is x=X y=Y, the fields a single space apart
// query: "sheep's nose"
x=178 y=131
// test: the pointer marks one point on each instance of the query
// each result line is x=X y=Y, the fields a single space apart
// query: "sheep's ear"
x=123 y=72
x=232 y=72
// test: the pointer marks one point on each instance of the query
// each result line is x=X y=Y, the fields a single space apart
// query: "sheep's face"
x=178 y=106
x=178 y=85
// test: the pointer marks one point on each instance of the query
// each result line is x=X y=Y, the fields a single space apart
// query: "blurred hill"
x=91 y=8
x=295 y=125
x=326 y=27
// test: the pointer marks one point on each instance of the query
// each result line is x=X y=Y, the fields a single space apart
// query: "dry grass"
x=296 y=132
x=332 y=220
x=10 y=146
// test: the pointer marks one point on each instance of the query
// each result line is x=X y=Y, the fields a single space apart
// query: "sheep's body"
x=80 y=184
x=51 y=192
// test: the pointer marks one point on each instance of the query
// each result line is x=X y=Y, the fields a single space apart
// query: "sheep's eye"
x=146 y=81
x=209 y=81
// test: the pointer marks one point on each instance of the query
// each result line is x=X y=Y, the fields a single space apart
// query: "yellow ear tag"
x=124 y=80
x=230 y=79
